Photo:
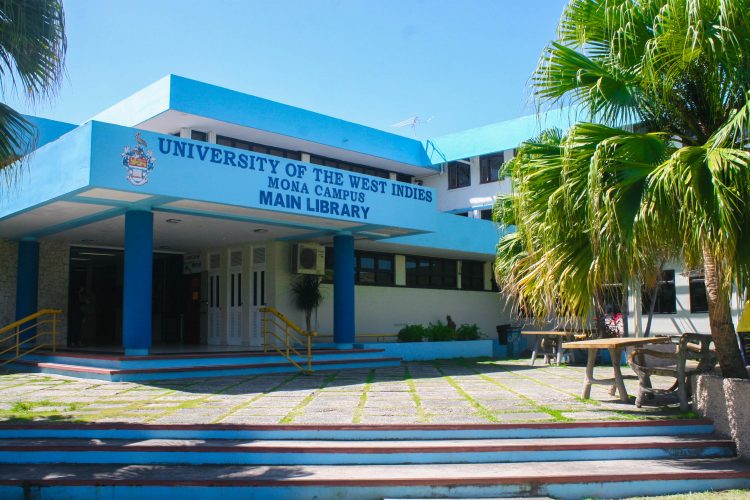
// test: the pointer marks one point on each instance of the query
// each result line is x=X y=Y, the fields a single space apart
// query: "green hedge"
x=438 y=332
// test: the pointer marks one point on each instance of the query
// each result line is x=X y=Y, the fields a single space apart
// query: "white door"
x=234 y=298
x=258 y=289
x=214 y=299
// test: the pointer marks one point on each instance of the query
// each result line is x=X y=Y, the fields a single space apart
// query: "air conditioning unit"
x=308 y=258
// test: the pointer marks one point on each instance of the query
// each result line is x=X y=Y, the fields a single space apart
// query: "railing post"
x=54 y=332
x=265 y=330
x=309 y=353
x=286 y=339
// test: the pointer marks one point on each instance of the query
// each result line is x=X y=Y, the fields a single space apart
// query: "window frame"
x=694 y=290
x=454 y=174
x=667 y=291
x=486 y=173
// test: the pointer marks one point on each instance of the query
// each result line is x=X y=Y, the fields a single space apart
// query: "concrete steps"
x=116 y=368
x=562 y=460
x=291 y=452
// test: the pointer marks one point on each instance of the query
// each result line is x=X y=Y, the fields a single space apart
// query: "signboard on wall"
x=140 y=161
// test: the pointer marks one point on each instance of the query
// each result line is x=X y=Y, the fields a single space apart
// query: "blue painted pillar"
x=137 y=282
x=27 y=281
x=343 y=289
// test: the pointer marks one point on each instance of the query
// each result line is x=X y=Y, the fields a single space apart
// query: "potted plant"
x=307 y=296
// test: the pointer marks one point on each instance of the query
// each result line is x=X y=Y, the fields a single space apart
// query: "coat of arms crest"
x=138 y=161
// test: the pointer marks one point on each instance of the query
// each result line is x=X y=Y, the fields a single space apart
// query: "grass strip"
x=421 y=413
x=360 y=409
x=297 y=410
x=481 y=410
x=255 y=398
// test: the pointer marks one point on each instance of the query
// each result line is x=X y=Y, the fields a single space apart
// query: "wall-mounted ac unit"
x=308 y=258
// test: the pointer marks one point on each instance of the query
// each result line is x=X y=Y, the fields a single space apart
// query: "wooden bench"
x=691 y=355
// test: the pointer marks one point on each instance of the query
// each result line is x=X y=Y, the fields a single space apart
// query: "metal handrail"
x=22 y=325
x=279 y=327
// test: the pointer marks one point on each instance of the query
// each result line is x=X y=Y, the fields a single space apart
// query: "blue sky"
x=464 y=62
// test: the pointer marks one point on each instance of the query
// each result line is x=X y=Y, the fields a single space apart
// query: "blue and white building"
x=169 y=218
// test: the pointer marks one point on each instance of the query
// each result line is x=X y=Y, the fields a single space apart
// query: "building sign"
x=201 y=171
x=296 y=185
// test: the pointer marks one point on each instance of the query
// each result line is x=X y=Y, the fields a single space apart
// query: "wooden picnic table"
x=557 y=349
x=615 y=347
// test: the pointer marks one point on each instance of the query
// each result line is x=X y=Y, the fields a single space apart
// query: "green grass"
x=481 y=410
x=297 y=410
x=360 y=409
x=421 y=413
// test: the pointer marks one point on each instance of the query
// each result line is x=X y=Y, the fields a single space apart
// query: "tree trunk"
x=651 y=306
x=600 y=311
x=308 y=318
x=720 y=316
x=624 y=308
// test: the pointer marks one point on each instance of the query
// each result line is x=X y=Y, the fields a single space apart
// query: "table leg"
x=615 y=355
x=589 y=376
x=536 y=349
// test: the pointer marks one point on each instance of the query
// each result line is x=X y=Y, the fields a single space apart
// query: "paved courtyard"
x=436 y=392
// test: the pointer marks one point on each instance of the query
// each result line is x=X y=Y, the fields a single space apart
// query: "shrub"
x=438 y=332
x=411 y=333
x=467 y=332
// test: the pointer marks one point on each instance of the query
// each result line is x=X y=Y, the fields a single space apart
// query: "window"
x=489 y=166
x=197 y=135
x=472 y=275
x=258 y=148
x=487 y=214
x=370 y=268
x=352 y=167
x=613 y=298
x=459 y=174
x=374 y=269
x=698 y=297
x=428 y=272
x=666 y=299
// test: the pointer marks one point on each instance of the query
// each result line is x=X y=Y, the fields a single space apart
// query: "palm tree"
x=32 y=54
x=679 y=70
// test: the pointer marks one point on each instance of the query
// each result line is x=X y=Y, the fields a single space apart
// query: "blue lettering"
x=190 y=151
x=215 y=155
x=179 y=149
x=229 y=158
x=261 y=161
x=162 y=140
x=202 y=151
x=274 y=164
x=242 y=160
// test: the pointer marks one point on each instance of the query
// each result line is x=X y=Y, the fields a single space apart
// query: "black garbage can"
x=502 y=334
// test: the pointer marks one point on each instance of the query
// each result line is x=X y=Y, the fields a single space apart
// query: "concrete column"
x=137 y=282
x=343 y=289
x=27 y=282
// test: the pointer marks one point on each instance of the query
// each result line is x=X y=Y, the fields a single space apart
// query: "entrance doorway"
x=95 y=299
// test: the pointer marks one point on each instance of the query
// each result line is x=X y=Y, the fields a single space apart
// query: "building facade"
x=172 y=216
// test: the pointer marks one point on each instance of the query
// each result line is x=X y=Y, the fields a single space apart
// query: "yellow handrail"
x=22 y=325
x=273 y=320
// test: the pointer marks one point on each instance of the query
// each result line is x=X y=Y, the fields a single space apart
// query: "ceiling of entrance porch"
x=96 y=217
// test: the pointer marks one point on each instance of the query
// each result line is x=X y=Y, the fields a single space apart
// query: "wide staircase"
x=286 y=348
x=558 y=460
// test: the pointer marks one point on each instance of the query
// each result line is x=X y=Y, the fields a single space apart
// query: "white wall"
x=459 y=198
x=388 y=309
x=681 y=322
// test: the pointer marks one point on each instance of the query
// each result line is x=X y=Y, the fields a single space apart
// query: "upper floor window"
x=352 y=167
x=486 y=214
x=459 y=174
x=489 y=167
x=197 y=135
x=258 y=148
x=698 y=297
x=665 y=301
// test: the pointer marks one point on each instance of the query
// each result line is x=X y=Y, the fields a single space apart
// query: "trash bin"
x=502 y=334
x=514 y=342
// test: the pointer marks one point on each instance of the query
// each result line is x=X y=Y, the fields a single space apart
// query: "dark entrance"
x=95 y=299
